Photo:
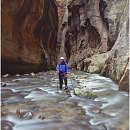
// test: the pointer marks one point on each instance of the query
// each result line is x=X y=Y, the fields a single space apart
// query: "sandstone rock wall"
x=97 y=27
x=117 y=64
x=61 y=6
x=29 y=35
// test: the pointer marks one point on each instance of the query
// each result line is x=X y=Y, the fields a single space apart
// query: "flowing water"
x=60 y=111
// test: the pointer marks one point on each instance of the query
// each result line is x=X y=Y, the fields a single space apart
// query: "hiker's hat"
x=62 y=58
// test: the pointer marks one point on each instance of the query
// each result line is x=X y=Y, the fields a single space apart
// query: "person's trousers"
x=61 y=78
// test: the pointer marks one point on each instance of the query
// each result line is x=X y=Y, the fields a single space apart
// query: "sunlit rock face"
x=96 y=29
x=29 y=35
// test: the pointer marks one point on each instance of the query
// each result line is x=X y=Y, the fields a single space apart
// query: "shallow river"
x=43 y=108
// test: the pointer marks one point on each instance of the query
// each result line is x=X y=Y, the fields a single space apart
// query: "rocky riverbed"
x=31 y=102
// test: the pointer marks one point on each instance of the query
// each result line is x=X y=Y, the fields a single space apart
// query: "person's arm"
x=57 y=68
x=67 y=68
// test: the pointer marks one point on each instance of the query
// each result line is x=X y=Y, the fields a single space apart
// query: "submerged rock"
x=95 y=88
x=84 y=93
x=83 y=77
x=24 y=115
x=42 y=80
x=41 y=117
x=6 y=125
x=15 y=80
x=96 y=110
x=67 y=92
x=26 y=74
x=77 y=81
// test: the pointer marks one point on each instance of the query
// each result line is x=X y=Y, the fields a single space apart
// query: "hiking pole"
x=71 y=81
x=57 y=84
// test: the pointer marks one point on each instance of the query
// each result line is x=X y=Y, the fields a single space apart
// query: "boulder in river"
x=32 y=74
x=5 y=76
x=3 y=84
x=6 y=125
x=84 y=93
x=24 y=115
x=41 y=117
x=17 y=75
x=77 y=81
x=53 y=79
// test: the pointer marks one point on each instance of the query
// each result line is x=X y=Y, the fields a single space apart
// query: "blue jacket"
x=62 y=67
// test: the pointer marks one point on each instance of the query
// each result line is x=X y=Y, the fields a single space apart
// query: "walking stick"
x=71 y=81
x=57 y=85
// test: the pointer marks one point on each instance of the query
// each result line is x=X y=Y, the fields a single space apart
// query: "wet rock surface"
x=6 y=125
x=3 y=84
x=5 y=76
x=24 y=115
x=33 y=104
x=84 y=93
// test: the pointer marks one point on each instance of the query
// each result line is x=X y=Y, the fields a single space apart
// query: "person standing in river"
x=62 y=69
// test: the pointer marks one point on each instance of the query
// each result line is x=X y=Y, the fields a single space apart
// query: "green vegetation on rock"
x=84 y=93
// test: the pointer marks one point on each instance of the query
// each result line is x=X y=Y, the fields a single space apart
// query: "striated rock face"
x=60 y=5
x=97 y=27
x=117 y=64
x=29 y=35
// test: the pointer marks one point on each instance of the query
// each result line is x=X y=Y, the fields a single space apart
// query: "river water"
x=52 y=110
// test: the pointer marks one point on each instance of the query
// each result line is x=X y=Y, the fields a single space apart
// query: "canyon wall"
x=29 y=35
x=60 y=49
x=117 y=64
x=96 y=37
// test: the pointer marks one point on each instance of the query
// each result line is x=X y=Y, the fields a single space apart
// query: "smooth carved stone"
x=29 y=35
x=94 y=38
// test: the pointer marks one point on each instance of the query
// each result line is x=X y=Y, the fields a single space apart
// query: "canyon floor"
x=42 y=107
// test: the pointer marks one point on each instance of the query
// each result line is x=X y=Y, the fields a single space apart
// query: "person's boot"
x=66 y=87
x=60 y=87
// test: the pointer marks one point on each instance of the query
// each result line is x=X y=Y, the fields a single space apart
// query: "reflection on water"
x=60 y=111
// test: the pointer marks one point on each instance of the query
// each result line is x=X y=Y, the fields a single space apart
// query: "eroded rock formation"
x=96 y=31
x=60 y=5
x=29 y=35
x=117 y=64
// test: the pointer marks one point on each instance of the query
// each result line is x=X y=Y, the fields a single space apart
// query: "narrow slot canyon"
x=92 y=36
